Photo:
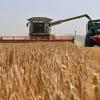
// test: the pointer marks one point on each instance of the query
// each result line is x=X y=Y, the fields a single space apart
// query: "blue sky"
x=13 y=14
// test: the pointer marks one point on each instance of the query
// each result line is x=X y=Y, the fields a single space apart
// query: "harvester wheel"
x=89 y=42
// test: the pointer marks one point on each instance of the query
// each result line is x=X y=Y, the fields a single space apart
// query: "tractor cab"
x=39 y=26
x=93 y=33
x=93 y=28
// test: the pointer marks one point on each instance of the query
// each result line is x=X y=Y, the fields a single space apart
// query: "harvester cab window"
x=90 y=29
x=38 y=27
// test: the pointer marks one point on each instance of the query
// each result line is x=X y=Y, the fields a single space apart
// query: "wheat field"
x=48 y=71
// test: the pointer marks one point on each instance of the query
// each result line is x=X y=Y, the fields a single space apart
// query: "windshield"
x=93 y=28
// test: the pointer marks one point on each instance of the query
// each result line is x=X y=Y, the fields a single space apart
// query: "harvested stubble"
x=47 y=71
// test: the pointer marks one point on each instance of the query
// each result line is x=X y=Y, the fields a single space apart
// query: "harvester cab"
x=39 y=26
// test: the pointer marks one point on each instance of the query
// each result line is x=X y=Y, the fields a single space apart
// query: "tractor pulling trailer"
x=40 y=30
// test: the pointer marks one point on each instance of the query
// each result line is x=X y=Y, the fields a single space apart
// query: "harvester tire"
x=89 y=42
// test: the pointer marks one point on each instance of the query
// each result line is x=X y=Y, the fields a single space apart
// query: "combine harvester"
x=40 y=29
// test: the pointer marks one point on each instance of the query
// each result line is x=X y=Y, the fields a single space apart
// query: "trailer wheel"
x=89 y=42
